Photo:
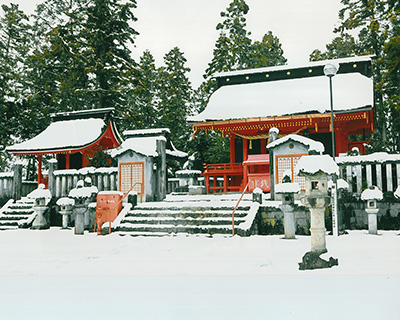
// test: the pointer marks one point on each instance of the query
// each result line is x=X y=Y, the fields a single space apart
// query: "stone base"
x=312 y=260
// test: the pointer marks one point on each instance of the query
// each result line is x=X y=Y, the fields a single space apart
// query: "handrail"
x=116 y=206
x=237 y=205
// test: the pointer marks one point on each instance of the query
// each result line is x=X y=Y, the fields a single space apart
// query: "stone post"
x=52 y=178
x=17 y=182
x=287 y=190
x=371 y=195
x=79 y=210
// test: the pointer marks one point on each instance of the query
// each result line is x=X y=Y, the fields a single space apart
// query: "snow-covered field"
x=53 y=274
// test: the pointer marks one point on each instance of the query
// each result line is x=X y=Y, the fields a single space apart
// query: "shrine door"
x=131 y=173
x=288 y=162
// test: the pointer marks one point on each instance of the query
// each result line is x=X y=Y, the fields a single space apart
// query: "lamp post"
x=330 y=71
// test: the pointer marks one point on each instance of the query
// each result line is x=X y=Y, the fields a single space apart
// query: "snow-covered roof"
x=311 y=144
x=286 y=97
x=322 y=63
x=311 y=165
x=146 y=146
x=61 y=135
x=287 y=187
x=372 y=193
x=377 y=157
x=146 y=132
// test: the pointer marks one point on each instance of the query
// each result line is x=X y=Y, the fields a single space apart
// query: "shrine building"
x=295 y=100
x=73 y=137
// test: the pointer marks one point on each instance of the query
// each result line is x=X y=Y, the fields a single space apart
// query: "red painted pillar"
x=245 y=151
x=67 y=161
x=263 y=146
x=341 y=141
x=39 y=177
x=232 y=147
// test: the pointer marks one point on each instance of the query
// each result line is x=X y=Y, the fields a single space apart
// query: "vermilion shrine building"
x=248 y=103
x=73 y=137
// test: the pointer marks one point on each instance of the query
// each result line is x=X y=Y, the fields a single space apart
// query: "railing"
x=105 y=179
x=379 y=169
x=222 y=168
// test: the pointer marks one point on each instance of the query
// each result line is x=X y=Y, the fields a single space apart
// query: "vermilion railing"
x=223 y=167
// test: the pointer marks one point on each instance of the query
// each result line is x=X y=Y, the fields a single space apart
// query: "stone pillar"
x=17 y=182
x=372 y=220
x=79 y=210
x=52 y=178
x=289 y=221
x=318 y=240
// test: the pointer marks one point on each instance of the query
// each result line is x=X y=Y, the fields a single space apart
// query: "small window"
x=314 y=185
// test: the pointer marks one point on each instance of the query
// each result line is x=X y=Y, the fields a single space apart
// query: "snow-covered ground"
x=53 y=274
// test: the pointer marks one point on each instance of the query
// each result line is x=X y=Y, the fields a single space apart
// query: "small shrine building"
x=73 y=137
x=296 y=100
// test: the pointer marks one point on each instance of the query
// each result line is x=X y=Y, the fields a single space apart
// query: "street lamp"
x=330 y=71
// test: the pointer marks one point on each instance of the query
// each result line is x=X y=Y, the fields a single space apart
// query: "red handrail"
x=237 y=204
x=112 y=210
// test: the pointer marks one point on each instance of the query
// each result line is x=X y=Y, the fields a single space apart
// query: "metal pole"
x=332 y=126
x=335 y=227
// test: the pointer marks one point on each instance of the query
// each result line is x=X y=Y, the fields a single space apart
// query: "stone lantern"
x=66 y=205
x=316 y=169
x=288 y=190
x=371 y=196
x=42 y=197
x=81 y=195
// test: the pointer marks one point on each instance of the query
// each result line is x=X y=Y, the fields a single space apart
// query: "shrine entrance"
x=129 y=174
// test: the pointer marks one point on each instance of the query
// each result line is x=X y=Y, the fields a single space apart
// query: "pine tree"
x=175 y=96
x=14 y=46
x=143 y=98
x=374 y=20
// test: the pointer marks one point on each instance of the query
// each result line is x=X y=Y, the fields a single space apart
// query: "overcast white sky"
x=300 y=25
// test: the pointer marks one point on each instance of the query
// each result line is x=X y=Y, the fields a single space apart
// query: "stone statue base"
x=312 y=260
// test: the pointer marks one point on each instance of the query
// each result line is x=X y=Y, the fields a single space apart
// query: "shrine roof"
x=68 y=131
x=250 y=94
x=310 y=143
x=144 y=141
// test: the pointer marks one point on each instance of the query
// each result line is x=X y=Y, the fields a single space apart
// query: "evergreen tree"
x=14 y=46
x=144 y=96
x=375 y=21
x=175 y=97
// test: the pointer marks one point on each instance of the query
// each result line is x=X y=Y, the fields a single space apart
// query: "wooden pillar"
x=245 y=151
x=39 y=178
x=389 y=178
x=379 y=181
x=67 y=161
x=232 y=147
x=341 y=141
x=263 y=146
x=369 y=174
x=84 y=160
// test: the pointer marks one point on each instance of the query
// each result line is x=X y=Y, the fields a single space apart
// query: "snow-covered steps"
x=16 y=215
x=210 y=214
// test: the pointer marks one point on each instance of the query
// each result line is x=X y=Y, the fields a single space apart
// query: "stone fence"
x=62 y=181
x=12 y=185
x=379 y=169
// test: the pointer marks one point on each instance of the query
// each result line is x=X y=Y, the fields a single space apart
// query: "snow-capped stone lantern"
x=81 y=195
x=371 y=196
x=288 y=189
x=42 y=197
x=316 y=169
x=66 y=205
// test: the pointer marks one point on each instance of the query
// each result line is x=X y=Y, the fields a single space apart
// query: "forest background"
x=76 y=54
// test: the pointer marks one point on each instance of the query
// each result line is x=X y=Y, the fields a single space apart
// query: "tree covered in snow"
x=175 y=96
x=376 y=23
x=14 y=46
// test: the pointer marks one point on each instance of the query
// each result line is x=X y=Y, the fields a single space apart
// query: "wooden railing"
x=378 y=169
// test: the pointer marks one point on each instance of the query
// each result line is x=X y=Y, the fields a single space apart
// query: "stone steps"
x=13 y=215
x=191 y=215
